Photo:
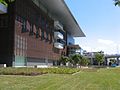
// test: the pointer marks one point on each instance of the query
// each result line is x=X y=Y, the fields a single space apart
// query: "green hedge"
x=36 y=71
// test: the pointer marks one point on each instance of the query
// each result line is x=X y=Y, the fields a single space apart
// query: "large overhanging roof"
x=60 y=11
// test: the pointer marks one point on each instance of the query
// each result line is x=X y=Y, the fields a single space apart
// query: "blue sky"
x=100 y=21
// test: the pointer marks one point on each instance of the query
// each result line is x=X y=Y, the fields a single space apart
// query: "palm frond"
x=117 y=2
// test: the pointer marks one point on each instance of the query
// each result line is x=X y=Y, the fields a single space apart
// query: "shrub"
x=36 y=71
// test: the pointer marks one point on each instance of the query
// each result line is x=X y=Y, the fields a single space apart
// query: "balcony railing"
x=58 y=35
x=61 y=41
x=58 y=25
x=3 y=8
x=58 y=45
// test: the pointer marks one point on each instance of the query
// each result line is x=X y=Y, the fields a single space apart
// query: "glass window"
x=37 y=34
x=21 y=42
x=31 y=30
x=18 y=41
x=26 y=43
x=47 y=36
x=42 y=34
x=24 y=29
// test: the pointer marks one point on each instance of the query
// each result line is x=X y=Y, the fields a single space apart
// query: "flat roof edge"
x=83 y=35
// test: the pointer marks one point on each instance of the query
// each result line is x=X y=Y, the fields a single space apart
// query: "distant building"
x=91 y=56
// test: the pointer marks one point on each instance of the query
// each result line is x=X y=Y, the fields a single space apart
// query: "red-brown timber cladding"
x=36 y=48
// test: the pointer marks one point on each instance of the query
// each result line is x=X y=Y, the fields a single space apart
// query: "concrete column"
x=91 y=60
x=106 y=62
x=118 y=62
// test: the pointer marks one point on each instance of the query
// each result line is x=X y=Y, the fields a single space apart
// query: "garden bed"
x=36 y=71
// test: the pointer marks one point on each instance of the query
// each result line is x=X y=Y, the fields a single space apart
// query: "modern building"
x=36 y=32
x=73 y=49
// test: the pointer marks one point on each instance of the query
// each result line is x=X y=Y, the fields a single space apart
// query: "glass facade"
x=70 y=40
x=20 y=61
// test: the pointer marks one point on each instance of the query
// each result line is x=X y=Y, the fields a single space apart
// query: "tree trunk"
x=98 y=63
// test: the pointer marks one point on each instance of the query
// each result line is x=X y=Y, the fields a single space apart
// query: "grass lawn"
x=102 y=79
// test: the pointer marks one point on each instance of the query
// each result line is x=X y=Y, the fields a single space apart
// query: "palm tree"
x=117 y=2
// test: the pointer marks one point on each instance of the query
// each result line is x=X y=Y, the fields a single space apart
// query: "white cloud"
x=108 y=46
x=106 y=42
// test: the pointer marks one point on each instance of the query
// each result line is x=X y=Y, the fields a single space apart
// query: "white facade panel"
x=58 y=35
x=58 y=45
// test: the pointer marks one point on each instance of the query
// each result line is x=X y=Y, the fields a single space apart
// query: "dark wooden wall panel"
x=36 y=47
